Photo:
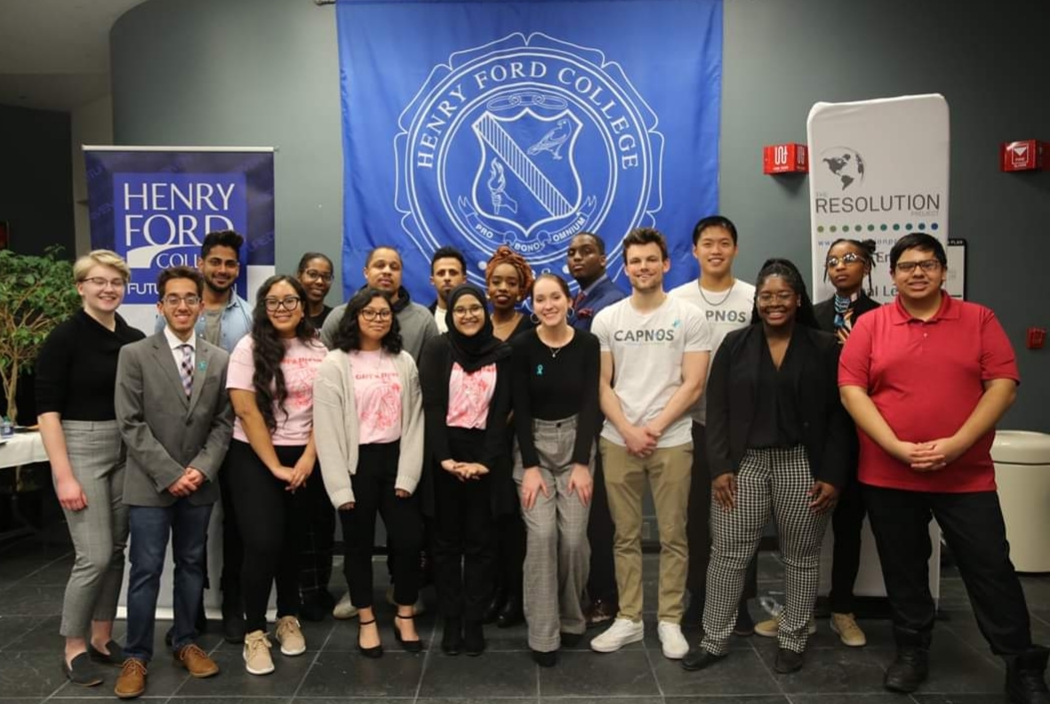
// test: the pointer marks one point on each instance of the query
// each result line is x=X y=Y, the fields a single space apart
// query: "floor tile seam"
x=981 y=653
x=310 y=667
x=652 y=668
x=38 y=570
x=762 y=662
x=426 y=661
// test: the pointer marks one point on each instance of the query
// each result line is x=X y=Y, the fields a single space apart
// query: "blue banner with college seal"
x=154 y=205
x=478 y=124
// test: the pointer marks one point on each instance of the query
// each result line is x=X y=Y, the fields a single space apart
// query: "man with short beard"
x=448 y=269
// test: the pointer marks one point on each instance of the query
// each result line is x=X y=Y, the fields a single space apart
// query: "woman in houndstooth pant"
x=776 y=443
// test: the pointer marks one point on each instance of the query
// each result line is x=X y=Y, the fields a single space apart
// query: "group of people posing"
x=507 y=452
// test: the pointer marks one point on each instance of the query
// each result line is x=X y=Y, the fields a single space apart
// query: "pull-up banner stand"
x=878 y=170
x=154 y=205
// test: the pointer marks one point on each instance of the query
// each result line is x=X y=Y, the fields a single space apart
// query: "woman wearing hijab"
x=465 y=377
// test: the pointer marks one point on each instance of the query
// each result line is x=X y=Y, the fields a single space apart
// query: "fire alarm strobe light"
x=785 y=159
x=1025 y=155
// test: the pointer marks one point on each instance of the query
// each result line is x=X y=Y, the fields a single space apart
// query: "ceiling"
x=54 y=54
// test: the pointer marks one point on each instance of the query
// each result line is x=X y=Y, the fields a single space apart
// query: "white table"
x=22 y=448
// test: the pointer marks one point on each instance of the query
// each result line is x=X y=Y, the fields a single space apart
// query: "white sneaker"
x=671 y=639
x=622 y=632
x=345 y=608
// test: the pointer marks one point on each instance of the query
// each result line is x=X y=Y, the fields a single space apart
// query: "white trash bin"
x=1022 y=473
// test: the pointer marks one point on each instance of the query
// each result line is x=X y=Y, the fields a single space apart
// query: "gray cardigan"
x=336 y=426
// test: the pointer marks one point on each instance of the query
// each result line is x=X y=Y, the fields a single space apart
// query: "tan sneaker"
x=132 y=679
x=769 y=629
x=849 y=632
x=257 y=660
x=290 y=636
x=196 y=661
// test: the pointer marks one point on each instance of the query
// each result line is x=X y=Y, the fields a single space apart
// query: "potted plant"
x=36 y=294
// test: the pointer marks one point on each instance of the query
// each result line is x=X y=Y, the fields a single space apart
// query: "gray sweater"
x=336 y=430
x=416 y=323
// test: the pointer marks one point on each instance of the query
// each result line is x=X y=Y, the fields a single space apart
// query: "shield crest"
x=527 y=175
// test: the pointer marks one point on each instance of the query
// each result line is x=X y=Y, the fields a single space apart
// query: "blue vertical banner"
x=478 y=124
x=154 y=205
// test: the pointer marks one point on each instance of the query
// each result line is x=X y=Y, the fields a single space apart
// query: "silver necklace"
x=553 y=350
x=724 y=298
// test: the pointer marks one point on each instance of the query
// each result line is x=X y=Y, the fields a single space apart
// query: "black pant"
x=270 y=521
x=464 y=535
x=232 y=547
x=698 y=529
x=318 y=539
x=973 y=527
x=510 y=554
x=846 y=521
x=601 y=584
x=374 y=493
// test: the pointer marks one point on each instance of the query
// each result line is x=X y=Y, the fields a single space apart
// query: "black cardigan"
x=435 y=369
x=731 y=393
x=825 y=311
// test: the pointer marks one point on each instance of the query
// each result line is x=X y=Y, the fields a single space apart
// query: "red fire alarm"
x=785 y=159
x=1025 y=155
x=1036 y=338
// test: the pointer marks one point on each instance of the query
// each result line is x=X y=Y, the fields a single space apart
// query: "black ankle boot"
x=473 y=638
x=911 y=666
x=1025 y=681
x=452 y=638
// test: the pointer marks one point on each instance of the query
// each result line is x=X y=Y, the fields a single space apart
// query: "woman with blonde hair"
x=75 y=382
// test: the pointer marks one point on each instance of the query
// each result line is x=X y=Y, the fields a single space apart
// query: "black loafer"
x=698 y=659
x=570 y=640
x=787 y=661
x=545 y=659
x=81 y=672
x=114 y=657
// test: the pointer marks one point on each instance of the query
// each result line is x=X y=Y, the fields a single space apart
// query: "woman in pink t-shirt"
x=271 y=379
x=465 y=375
x=368 y=413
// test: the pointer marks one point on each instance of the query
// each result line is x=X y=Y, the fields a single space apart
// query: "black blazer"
x=732 y=390
x=825 y=311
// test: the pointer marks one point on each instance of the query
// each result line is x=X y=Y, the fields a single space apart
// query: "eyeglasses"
x=317 y=276
x=779 y=297
x=288 y=303
x=925 y=264
x=847 y=258
x=102 y=282
x=372 y=314
x=173 y=300
x=464 y=311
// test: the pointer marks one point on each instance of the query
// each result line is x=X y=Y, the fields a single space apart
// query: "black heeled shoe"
x=410 y=646
x=473 y=638
x=512 y=613
x=499 y=597
x=375 y=651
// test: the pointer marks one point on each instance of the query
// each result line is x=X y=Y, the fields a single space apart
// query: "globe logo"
x=845 y=164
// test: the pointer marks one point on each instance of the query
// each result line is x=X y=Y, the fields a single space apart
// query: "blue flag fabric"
x=479 y=124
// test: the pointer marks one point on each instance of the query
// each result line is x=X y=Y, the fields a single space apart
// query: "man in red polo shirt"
x=926 y=379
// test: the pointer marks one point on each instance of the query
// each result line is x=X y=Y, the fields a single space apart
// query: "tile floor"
x=33 y=573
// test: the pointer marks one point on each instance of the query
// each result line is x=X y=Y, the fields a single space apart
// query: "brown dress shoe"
x=132 y=680
x=196 y=661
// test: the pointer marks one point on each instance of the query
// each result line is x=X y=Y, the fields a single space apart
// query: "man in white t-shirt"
x=448 y=269
x=727 y=304
x=655 y=352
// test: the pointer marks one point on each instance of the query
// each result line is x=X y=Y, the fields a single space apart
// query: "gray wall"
x=35 y=173
x=265 y=72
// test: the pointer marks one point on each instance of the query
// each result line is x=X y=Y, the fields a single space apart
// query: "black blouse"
x=776 y=419
x=555 y=386
x=76 y=372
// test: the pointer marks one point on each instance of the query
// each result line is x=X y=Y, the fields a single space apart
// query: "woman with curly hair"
x=368 y=413
x=271 y=456
x=508 y=280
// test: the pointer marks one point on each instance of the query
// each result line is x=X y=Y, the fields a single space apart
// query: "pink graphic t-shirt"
x=299 y=366
x=377 y=394
x=469 y=396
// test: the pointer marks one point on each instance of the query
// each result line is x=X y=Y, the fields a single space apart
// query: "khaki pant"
x=669 y=471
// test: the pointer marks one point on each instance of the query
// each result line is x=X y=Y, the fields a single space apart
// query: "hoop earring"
x=570 y=313
x=534 y=319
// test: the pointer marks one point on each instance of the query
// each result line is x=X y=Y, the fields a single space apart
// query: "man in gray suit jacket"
x=176 y=420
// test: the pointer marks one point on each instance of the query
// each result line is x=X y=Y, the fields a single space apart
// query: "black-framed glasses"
x=927 y=265
x=847 y=258
x=464 y=311
x=288 y=303
x=315 y=275
x=173 y=301
x=102 y=282
x=372 y=314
